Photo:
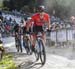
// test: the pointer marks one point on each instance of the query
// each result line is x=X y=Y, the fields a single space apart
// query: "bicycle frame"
x=39 y=36
x=26 y=36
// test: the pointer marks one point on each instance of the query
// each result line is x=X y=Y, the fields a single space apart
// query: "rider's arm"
x=49 y=23
x=31 y=22
x=28 y=24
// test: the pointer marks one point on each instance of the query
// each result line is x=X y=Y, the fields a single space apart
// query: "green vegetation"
x=18 y=4
x=7 y=62
x=1 y=3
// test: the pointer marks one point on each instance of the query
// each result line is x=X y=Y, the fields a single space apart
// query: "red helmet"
x=41 y=8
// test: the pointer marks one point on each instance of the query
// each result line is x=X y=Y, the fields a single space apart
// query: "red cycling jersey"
x=40 y=20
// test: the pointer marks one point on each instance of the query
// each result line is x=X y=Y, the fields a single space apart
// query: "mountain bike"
x=40 y=49
x=27 y=43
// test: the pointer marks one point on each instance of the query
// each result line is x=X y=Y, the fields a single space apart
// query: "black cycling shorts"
x=37 y=29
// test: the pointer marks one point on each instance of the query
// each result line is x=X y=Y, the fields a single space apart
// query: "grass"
x=7 y=62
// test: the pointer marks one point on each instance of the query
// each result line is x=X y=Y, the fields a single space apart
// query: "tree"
x=15 y=4
x=62 y=11
x=9 y=4
x=20 y=4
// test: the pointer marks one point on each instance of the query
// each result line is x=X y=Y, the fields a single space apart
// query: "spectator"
x=72 y=20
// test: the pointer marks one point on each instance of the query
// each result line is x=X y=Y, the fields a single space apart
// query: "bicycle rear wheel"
x=42 y=52
x=17 y=45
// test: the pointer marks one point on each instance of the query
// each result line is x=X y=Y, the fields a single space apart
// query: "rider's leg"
x=44 y=38
x=33 y=37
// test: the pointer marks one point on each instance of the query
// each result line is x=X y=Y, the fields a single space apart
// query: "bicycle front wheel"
x=42 y=52
x=36 y=51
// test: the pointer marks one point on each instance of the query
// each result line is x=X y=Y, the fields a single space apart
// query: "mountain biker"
x=17 y=30
x=39 y=19
x=26 y=30
x=72 y=20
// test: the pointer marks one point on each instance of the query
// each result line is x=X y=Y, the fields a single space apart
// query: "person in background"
x=26 y=30
x=17 y=31
x=72 y=20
